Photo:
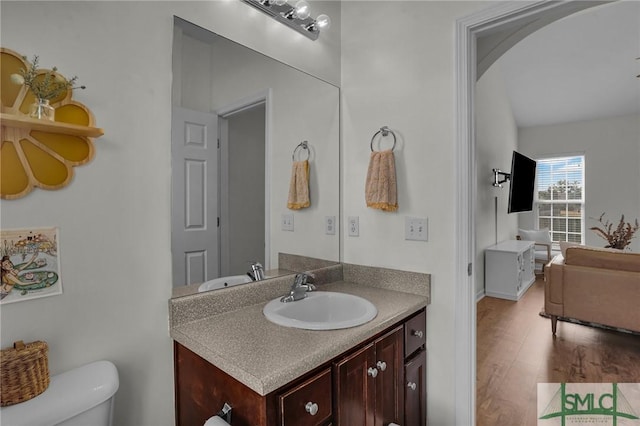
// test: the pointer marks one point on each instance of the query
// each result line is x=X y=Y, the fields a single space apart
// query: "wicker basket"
x=25 y=372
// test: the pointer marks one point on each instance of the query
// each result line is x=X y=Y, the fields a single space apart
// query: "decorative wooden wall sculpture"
x=37 y=152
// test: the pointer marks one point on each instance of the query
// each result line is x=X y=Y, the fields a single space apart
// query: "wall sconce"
x=296 y=17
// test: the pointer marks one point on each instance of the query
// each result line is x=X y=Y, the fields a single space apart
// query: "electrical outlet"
x=287 y=222
x=354 y=226
x=416 y=228
x=330 y=225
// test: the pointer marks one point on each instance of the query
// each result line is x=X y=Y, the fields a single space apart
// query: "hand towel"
x=380 y=187
x=299 y=186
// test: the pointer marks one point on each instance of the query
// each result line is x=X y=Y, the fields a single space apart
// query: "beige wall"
x=612 y=170
x=398 y=70
x=114 y=217
x=496 y=139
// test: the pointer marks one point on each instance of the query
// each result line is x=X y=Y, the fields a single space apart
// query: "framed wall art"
x=30 y=264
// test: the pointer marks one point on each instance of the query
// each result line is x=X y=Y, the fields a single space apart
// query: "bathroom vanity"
x=372 y=374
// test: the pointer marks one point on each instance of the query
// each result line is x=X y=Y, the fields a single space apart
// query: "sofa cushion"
x=603 y=258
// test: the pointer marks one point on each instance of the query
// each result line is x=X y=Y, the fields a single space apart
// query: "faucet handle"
x=300 y=279
x=257 y=271
x=305 y=280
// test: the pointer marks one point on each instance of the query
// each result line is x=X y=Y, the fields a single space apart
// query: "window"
x=560 y=197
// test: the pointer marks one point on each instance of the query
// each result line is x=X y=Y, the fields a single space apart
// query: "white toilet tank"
x=79 y=397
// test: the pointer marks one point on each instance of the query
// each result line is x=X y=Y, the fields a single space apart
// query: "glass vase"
x=41 y=110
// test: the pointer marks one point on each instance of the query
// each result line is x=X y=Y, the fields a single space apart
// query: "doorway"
x=501 y=27
x=242 y=188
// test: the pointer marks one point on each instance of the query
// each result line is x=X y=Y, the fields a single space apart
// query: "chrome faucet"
x=257 y=271
x=299 y=288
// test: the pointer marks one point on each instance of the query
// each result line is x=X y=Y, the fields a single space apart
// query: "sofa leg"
x=554 y=324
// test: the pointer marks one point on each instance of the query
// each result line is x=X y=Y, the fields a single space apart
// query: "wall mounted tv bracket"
x=497 y=174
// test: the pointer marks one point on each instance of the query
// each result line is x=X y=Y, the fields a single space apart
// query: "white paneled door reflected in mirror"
x=237 y=118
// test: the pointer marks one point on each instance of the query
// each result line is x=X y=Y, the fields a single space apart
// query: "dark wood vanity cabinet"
x=415 y=371
x=371 y=385
x=368 y=383
x=415 y=390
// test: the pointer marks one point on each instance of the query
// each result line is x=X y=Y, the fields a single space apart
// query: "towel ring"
x=302 y=145
x=384 y=131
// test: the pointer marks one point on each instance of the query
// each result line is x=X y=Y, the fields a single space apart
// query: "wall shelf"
x=24 y=122
x=39 y=153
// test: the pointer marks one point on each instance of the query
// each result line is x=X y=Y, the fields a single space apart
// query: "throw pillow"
x=537 y=235
x=564 y=245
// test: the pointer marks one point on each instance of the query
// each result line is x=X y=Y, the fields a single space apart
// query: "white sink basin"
x=321 y=310
x=223 y=282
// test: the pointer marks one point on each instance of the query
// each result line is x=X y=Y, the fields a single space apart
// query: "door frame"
x=261 y=97
x=468 y=30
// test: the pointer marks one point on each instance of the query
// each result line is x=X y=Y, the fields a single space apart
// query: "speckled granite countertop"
x=265 y=356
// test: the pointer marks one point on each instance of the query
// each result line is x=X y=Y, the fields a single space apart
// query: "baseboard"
x=480 y=295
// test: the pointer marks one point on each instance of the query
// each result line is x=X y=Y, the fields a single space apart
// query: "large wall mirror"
x=238 y=117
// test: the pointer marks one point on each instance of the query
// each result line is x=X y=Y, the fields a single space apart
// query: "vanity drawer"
x=415 y=333
x=309 y=403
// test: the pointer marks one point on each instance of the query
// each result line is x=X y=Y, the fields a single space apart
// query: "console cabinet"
x=380 y=381
x=509 y=269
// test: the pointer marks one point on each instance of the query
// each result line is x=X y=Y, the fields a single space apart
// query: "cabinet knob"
x=381 y=365
x=311 y=408
x=411 y=386
x=417 y=333
x=373 y=372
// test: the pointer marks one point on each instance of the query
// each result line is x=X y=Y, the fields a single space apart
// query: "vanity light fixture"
x=297 y=17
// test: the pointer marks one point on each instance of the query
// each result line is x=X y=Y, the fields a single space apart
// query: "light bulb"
x=323 y=21
x=302 y=10
x=279 y=2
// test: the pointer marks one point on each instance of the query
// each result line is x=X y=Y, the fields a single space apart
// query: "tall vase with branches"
x=619 y=237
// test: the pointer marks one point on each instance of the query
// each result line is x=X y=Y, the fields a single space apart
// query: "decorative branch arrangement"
x=618 y=238
x=47 y=87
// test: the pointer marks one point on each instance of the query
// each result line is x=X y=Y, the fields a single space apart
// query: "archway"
x=481 y=39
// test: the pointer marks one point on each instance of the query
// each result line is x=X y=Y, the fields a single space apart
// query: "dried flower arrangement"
x=48 y=87
x=618 y=238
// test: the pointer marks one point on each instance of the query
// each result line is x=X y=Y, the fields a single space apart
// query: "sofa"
x=594 y=285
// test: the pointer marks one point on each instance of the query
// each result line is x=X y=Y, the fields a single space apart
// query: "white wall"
x=114 y=217
x=398 y=70
x=612 y=169
x=246 y=185
x=496 y=139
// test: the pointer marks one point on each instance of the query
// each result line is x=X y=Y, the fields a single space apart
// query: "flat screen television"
x=523 y=177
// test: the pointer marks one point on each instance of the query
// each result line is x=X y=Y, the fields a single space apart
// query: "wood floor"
x=516 y=351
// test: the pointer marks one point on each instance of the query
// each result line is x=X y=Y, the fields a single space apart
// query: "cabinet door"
x=355 y=393
x=389 y=382
x=201 y=389
x=415 y=400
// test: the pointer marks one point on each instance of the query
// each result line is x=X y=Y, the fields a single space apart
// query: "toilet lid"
x=68 y=395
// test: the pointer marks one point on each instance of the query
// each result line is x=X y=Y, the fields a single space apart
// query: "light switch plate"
x=416 y=228
x=287 y=222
